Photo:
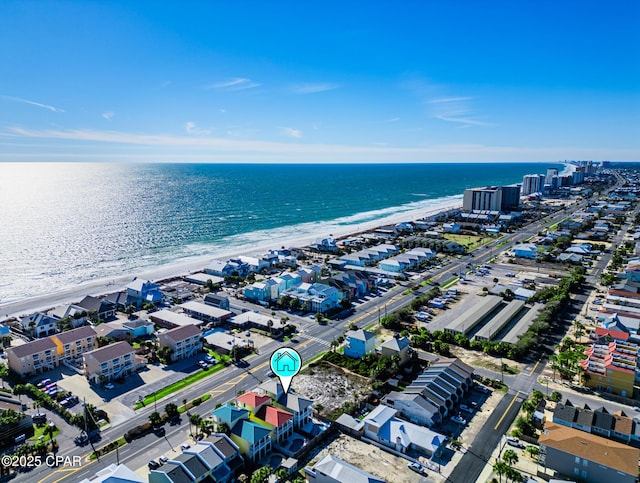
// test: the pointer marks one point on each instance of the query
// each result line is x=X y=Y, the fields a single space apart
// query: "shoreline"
x=190 y=265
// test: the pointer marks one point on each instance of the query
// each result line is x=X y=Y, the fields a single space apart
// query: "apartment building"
x=109 y=362
x=184 y=341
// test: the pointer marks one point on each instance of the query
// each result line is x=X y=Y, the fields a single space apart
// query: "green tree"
x=500 y=468
x=172 y=410
x=155 y=419
x=195 y=420
x=533 y=451
x=556 y=396
x=510 y=457
x=261 y=475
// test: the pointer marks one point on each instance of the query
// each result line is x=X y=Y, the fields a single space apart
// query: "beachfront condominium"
x=532 y=183
x=109 y=362
x=492 y=198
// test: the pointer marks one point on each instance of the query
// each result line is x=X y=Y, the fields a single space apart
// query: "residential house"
x=223 y=343
x=280 y=420
x=617 y=425
x=33 y=357
x=226 y=448
x=214 y=461
x=255 y=320
x=317 y=297
x=327 y=244
x=263 y=291
x=171 y=472
x=382 y=426
x=588 y=457
x=230 y=268
x=451 y=228
x=525 y=250
x=353 y=284
x=220 y=301
x=125 y=330
x=39 y=324
x=76 y=315
x=300 y=407
x=252 y=438
x=357 y=343
x=140 y=292
x=397 y=346
x=99 y=309
x=255 y=264
x=73 y=343
x=206 y=313
x=622 y=426
x=184 y=341
x=334 y=470
x=109 y=362
x=414 y=407
x=115 y=474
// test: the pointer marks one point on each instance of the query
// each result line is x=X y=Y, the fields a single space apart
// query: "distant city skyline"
x=329 y=82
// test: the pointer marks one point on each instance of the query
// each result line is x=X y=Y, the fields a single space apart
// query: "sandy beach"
x=195 y=264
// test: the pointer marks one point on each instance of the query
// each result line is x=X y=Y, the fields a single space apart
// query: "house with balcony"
x=300 y=407
x=382 y=426
x=109 y=362
x=263 y=291
x=229 y=268
x=397 y=346
x=73 y=343
x=76 y=315
x=184 y=341
x=278 y=419
x=101 y=308
x=253 y=439
x=587 y=457
x=357 y=343
x=39 y=324
x=414 y=407
x=611 y=367
x=214 y=461
x=33 y=357
x=140 y=291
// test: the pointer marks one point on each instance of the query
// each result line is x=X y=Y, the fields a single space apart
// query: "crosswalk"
x=316 y=339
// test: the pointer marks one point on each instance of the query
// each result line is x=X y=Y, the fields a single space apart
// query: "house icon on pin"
x=285 y=362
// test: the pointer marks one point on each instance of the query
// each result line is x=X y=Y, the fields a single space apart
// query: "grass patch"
x=470 y=241
x=315 y=358
x=135 y=345
x=408 y=292
x=181 y=384
x=449 y=283
x=108 y=448
x=189 y=405
x=39 y=431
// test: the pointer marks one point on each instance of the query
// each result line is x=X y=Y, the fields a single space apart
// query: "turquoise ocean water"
x=64 y=224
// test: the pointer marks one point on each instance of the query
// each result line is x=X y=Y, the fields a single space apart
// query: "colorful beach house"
x=357 y=343
x=139 y=292
x=275 y=418
x=253 y=439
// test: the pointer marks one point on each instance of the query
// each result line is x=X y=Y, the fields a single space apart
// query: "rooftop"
x=110 y=352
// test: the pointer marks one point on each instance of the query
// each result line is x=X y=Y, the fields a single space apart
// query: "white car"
x=515 y=442
x=108 y=385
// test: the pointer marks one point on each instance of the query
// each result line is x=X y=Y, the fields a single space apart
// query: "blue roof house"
x=357 y=343
x=525 y=250
x=139 y=292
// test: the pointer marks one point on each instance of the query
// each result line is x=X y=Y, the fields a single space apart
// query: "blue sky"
x=412 y=81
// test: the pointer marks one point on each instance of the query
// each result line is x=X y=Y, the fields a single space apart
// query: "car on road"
x=270 y=374
x=418 y=468
x=515 y=442
x=458 y=419
x=509 y=274
x=636 y=408
x=108 y=385
x=153 y=464
x=185 y=446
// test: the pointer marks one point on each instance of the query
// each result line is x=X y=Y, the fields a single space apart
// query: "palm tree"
x=154 y=418
x=500 y=468
x=270 y=325
x=510 y=457
x=195 y=420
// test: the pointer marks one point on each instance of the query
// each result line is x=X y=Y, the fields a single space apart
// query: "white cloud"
x=31 y=103
x=393 y=119
x=235 y=84
x=440 y=100
x=313 y=88
x=108 y=115
x=291 y=132
x=192 y=128
x=214 y=149
x=462 y=120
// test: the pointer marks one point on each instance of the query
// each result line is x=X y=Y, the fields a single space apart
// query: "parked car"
x=108 y=385
x=458 y=419
x=466 y=409
x=418 y=468
x=163 y=459
x=270 y=374
x=481 y=388
x=185 y=446
x=509 y=274
x=210 y=359
x=153 y=464
x=515 y=442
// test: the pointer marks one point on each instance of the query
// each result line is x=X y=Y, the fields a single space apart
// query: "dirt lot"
x=371 y=459
x=330 y=386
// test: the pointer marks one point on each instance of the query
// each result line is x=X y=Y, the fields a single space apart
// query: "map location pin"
x=285 y=363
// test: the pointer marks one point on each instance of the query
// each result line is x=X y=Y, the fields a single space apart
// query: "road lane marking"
x=534 y=367
x=507 y=410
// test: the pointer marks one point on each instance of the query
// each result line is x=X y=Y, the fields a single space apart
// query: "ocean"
x=66 y=224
